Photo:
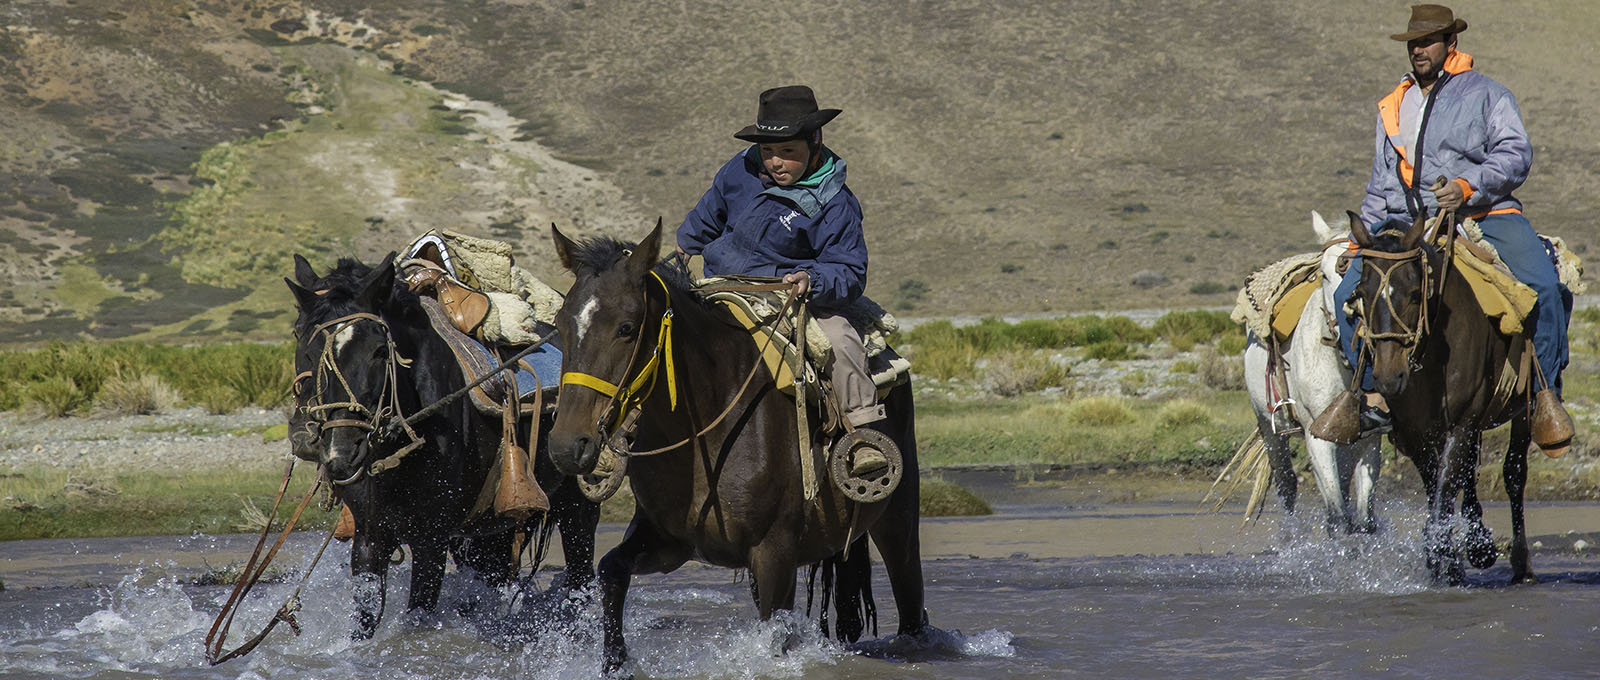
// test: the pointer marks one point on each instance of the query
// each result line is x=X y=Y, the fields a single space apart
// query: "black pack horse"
x=730 y=492
x=1437 y=358
x=367 y=355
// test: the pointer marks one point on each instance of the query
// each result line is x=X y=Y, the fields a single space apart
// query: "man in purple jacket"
x=781 y=208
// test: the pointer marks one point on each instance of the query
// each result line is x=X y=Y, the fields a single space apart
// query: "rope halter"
x=328 y=372
x=1408 y=335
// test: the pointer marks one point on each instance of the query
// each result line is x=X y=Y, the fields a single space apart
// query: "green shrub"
x=1109 y=350
x=1099 y=411
x=1192 y=326
x=55 y=396
x=940 y=498
x=1208 y=288
x=1185 y=366
x=220 y=400
x=1232 y=343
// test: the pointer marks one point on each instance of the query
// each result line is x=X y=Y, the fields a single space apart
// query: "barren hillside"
x=1012 y=156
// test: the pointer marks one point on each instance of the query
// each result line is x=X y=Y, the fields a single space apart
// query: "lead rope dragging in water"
x=252 y=573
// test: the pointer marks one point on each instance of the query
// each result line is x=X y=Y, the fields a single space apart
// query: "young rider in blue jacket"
x=780 y=207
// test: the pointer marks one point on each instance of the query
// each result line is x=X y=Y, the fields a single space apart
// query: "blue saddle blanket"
x=546 y=363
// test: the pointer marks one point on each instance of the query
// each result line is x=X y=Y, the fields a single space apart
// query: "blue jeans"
x=1524 y=253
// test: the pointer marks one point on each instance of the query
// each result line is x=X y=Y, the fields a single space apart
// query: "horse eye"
x=625 y=330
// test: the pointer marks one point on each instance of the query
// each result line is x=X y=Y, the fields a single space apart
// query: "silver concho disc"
x=875 y=486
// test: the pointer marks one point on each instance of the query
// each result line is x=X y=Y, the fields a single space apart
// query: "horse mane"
x=596 y=255
x=338 y=290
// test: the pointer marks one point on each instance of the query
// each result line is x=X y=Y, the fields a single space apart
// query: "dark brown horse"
x=369 y=355
x=731 y=494
x=1437 y=358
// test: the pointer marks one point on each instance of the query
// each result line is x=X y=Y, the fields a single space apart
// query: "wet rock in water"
x=1149 y=279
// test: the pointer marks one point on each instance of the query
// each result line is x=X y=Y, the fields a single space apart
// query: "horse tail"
x=847 y=582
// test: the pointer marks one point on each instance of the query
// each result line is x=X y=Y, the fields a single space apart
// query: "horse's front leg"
x=576 y=518
x=1515 y=472
x=1479 y=544
x=427 y=574
x=772 y=573
x=1454 y=473
x=1324 y=457
x=1363 y=481
x=369 y=568
x=642 y=550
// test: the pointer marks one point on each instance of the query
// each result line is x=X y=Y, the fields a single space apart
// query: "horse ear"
x=303 y=273
x=303 y=297
x=646 y=253
x=1319 y=225
x=1414 y=235
x=378 y=285
x=1358 y=230
x=564 y=246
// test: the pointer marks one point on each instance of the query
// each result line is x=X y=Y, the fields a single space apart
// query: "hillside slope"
x=1012 y=156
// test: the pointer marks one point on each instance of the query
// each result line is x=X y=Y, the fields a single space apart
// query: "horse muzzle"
x=576 y=456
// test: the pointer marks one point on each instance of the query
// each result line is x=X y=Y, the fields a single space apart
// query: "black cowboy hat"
x=1428 y=20
x=786 y=113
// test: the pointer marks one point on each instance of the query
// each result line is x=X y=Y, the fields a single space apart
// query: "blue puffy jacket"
x=747 y=225
x=1474 y=137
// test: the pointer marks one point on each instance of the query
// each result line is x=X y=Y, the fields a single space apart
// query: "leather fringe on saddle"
x=518 y=496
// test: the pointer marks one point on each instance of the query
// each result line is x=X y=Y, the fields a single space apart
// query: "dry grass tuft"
x=1220 y=371
x=1181 y=412
x=1014 y=373
x=1100 y=411
x=137 y=395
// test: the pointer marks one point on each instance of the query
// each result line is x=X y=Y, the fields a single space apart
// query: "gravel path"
x=181 y=440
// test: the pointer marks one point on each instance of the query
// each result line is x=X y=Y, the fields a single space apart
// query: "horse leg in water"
x=576 y=518
x=1279 y=455
x=1479 y=545
x=427 y=573
x=643 y=550
x=896 y=531
x=1515 y=472
x=772 y=575
x=369 y=565
x=1363 y=481
x=1453 y=472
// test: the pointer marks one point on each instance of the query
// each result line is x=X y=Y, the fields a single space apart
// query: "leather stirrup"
x=1340 y=423
x=345 y=529
x=518 y=496
x=1551 y=425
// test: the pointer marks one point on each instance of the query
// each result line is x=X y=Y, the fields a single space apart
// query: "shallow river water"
x=1036 y=591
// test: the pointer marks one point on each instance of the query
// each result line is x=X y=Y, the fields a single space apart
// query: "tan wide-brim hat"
x=1428 y=20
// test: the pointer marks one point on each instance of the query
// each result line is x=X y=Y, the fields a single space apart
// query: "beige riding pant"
x=858 y=397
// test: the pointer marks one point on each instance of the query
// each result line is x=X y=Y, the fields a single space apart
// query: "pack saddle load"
x=1270 y=303
x=487 y=308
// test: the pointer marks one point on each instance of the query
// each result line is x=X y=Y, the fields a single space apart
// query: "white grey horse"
x=1316 y=373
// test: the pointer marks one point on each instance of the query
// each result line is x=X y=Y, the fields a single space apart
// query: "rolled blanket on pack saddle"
x=486 y=308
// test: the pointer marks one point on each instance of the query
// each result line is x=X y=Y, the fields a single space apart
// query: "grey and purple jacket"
x=1474 y=137
x=747 y=225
